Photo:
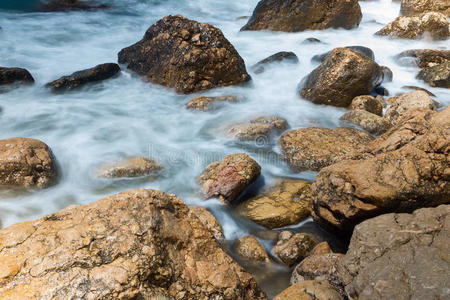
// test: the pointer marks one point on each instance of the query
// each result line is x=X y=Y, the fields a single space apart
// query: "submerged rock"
x=209 y=103
x=368 y=121
x=139 y=244
x=360 y=49
x=12 y=76
x=250 y=249
x=210 y=222
x=368 y=103
x=309 y=290
x=68 y=5
x=437 y=76
x=416 y=88
x=300 y=15
x=403 y=103
x=417 y=7
x=283 y=56
x=259 y=129
x=424 y=57
x=292 y=248
x=130 y=167
x=186 y=55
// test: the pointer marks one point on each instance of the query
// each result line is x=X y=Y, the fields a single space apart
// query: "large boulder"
x=26 y=163
x=436 y=76
x=342 y=76
x=416 y=7
x=299 y=15
x=315 y=148
x=402 y=103
x=69 y=5
x=368 y=121
x=250 y=249
x=9 y=76
x=399 y=256
x=139 y=244
x=404 y=169
x=186 y=55
x=210 y=222
x=424 y=57
x=129 y=167
x=309 y=290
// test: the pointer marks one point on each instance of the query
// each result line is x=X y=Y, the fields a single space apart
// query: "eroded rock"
x=368 y=121
x=250 y=249
x=436 y=76
x=401 y=104
x=210 y=222
x=130 y=167
x=292 y=248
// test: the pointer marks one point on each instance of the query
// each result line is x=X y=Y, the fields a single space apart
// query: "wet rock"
x=321 y=248
x=300 y=15
x=432 y=24
x=80 y=78
x=423 y=57
x=210 y=222
x=209 y=103
x=402 y=170
x=186 y=55
x=13 y=76
x=417 y=7
x=315 y=148
x=26 y=163
x=312 y=40
x=259 y=129
x=139 y=244
x=292 y=248
x=130 y=167
x=405 y=255
x=283 y=204
x=250 y=249
x=388 y=76
x=416 y=88
x=69 y=5
x=360 y=49
x=229 y=178
x=343 y=75
x=283 y=56
x=368 y=121
x=437 y=76
x=400 y=104
x=309 y=290
x=368 y=103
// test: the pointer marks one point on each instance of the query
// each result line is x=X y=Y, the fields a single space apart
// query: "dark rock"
x=360 y=49
x=283 y=56
x=437 y=76
x=10 y=76
x=312 y=40
x=388 y=75
x=69 y=5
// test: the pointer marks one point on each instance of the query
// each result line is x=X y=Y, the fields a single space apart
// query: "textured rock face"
x=424 y=57
x=315 y=148
x=209 y=103
x=309 y=290
x=250 y=249
x=210 y=222
x=369 y=103
x=130 y=167
x=283 y=56
x=228 y=179
x=343 y=75
x=15 y=76
x=401 y=256
x=292 y=248
x=68 y=5
x=416 y=7
x=80 y=78
x=434 y=24
x=259 y=129
x=299 y=15
x=404 y=169
x=186 y=55
x=140 y=244
x=360 y=49
x=321 y=248
x=367 y=121
x=401 y=104
x=27 y=163
x=436 y=76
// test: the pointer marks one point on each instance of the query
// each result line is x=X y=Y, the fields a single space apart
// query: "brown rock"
x=417 y=7
x=343 y=75
x=368 y=121
x=416 y=88
x=209 y=103
x=260 y=129
x=424 y=57
x=139 y=244
x=368 y=103
x=321 y=248
x=283 y=204
x=399 y=256
x=228 y=179
x=309 y=290
x=210 y=222
x=10 y=76
x=27 y=163
x=437 y=76
x=130 y=167
x=314 y=148
x=69 y=5
x=283 y=56
x=401 y=104
x=292 y=248
x=186 y=55
x=250 y=249
x=300 y=15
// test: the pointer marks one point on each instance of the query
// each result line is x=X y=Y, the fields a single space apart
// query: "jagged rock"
x=368 y=121
x=424 y=57
x=186 y=55
x=309 y=290
x=360 y=49
x=210 y=222
x=27 y=163
x=283 y=204
x=139 y=244
x=437 y=76
x=250 y=249
x=368 y=103
x=10 y=76
x=417 y=7
x=321 y=248
x=299 y=15
x=130 y=167
x=401 y=256
x=292 y=248
x=283 y=56
x=259 y=129
x=209 y=103
x=68 y=5
x=401 y=104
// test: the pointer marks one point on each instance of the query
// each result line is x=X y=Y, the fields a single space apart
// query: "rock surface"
x=401 y=256
x=283 y=56
x=360 y=49
x=417 y=7
x=26 y=163
x=368 y=121
x=368 y=103
x=259 y=129
x=130 y=167
x=209 y=103
x=321 y=248
x=139 y=244
x=309 y=290
x=69 y=5
x=436 y=76
x=401 y=104
x=10 y=76
x=250 y=249
x=315 y=148
x=292 y=248
x=186 y=55
x=424 y=57
x=299 y=15
x=210 y=222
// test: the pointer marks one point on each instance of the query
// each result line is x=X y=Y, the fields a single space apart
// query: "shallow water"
x=125 y=116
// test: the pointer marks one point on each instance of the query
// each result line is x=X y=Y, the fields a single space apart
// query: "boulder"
x=186 y=55
x=417 y=7
x=433 y=24
x=26 y=163
x=229 y=178
x=209 y=221
x=10 y=76
x=315 y=148
x=300 y=15
x=259 y=129
x=130 y=167
x=321 y=248
x=360 y=49
x=250 y=249
x=399 y=256
x=342 y=76
x=285 y=203
x=423 y=57
x=209 y=103
x=69 y=5
x=80 y=78
x=436 y=76
x=401 y=104
x=288 y=57
x=368 y=121
x=368 y=103
x=139 y=244
x=402 y=170
x=292 y=248
x=309 y=290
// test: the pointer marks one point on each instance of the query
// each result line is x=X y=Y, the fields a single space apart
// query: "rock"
x=186 y=55
x=360 y=49
x=283 y=56
x=321 y=248
x=416 y=88
x=417 y=7
x=129 y=167
x=437 y=76
x=139 y=244
x=343 y=75
x=388 y=76
x=309 y=290
x=423 y=57
x=315 y=148
x=229 y=178
x=311 y=40
x=80 y=78
x=209 y=103
x=368 y=121
x=250 y=249
x=26 y=163
x=300 y=15
x=283 y=204
x=368 y=103
x=402 y=170
x=292 y=248
x=68 y=5
x=210 y=222
x=404 y=256
x=11 y=76
x=400 y=104
x=433 y=24
x=260 y=129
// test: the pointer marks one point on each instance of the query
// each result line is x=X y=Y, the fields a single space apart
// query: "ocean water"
x=125 y=116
